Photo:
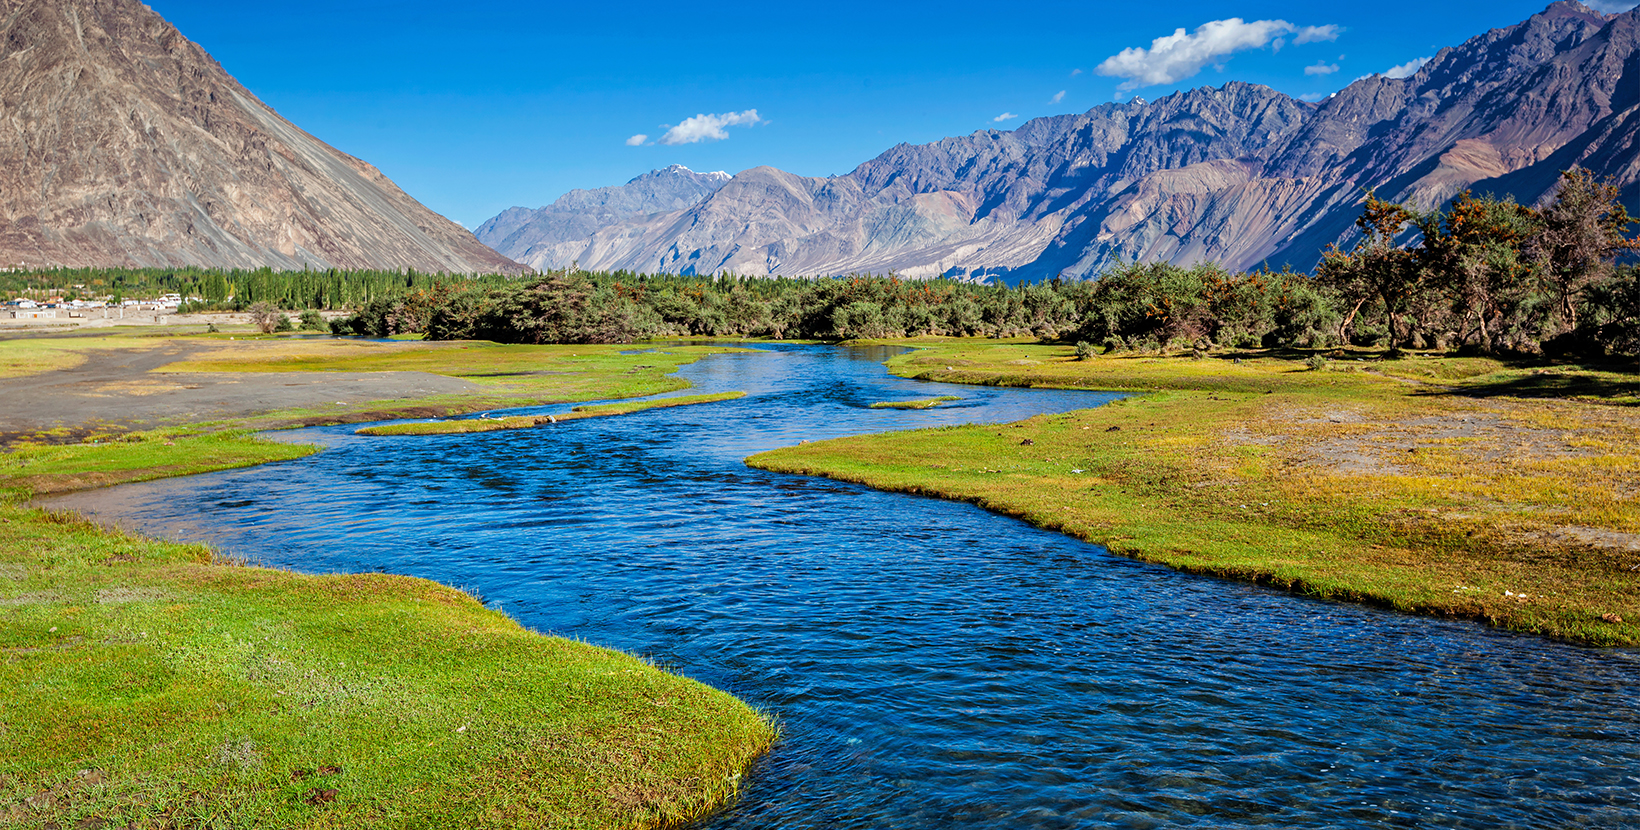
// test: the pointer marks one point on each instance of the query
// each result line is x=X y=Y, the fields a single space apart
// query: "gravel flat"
x=130 y=388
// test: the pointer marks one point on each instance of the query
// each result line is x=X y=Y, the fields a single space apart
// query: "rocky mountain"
x=544 y=236
x=1242 y=175
x=124 y=143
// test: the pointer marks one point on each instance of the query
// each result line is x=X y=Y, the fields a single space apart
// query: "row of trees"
x=1484 y=273
x=1490 y=274
x=235 y=290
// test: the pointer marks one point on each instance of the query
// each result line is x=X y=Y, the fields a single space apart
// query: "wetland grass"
x=925 y=403
x=1429 y=485
x=146 y=683
x=528 y=421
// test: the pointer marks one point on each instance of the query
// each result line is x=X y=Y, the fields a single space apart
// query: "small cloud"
x=1611 y=6
x=1317 y=34
x=1275 y=45
x=637 y=140
x=1321 y=69
x=1007 y=116
x=1057 y=97
x=1313 y=97
x=1406 y=70
x=1182 y=54
x=705 y=127
x=1075 y=72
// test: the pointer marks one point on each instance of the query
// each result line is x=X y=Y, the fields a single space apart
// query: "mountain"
x=124 y=143
x=1242 y=174
x=544 y=237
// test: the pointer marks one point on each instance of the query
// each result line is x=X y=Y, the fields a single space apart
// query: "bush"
x=1317 y=362
x=1084 y=350
x=266 y=318
x=313 y=321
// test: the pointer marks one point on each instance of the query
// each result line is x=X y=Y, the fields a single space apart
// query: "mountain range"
x=1242 y=174
x=122 y=143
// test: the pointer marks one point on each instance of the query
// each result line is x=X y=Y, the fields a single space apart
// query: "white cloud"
x=1007 y=116
x=1181 y=54
x=1321 y=68
x=1313 y=97
x=1405 y=70
x=1611 y=6
x=1075 y=72
x=1317 y=34
x=705 y=127
x=1057 y=97
x=636 y=140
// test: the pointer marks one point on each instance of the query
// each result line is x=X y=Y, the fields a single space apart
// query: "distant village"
x=105 y=308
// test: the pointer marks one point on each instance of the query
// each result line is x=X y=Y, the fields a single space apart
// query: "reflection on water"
x=933 y=665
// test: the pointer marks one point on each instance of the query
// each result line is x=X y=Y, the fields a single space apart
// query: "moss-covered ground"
x=150 y=684
x=1463 y=487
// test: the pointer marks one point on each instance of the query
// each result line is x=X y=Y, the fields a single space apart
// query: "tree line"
x=1482 y=274
x=228 y=290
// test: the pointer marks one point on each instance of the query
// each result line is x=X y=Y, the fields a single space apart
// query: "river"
x=933 y=665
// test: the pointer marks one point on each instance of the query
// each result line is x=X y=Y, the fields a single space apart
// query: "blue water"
x=933 y=665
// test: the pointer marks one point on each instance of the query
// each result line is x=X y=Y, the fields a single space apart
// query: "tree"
x=266 y=317
x=1578 y=237
x=1472 y=253
x=1376 y=269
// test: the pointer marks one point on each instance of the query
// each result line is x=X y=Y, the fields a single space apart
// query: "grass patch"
x=22 y=356
x=117 y=458
x=1363 y=485
x=144 y=683
x=925 y=403
x=528 y=421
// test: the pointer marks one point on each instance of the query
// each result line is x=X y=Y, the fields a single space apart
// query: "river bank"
x=1457 y=487
x=151 y=682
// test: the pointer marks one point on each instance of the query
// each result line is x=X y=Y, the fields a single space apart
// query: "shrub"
x=1084 y=350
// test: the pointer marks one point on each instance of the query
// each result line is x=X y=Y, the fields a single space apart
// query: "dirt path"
x=129 y=388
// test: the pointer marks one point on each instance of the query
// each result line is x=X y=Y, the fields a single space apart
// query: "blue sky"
x=474 y=107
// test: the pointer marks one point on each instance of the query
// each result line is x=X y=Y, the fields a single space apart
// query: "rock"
x=124 y=143
x=1611 y=618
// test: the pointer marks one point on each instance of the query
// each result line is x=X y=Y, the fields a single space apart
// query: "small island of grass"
x=924 y=403
x=528 y=421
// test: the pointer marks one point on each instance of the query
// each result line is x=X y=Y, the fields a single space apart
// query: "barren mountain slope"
x=123 y=143
x=1242 y=175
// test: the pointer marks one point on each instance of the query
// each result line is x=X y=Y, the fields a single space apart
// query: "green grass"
x=146 y=683
x=925 y=403
x=116 y=458
x=1364 y=485
x=529 y=421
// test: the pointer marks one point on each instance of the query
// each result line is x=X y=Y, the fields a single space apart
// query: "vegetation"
x=1493 y=276
x=925 y=403
x=1466 y=487
x=235 y=290
x=153 y=684
x=525 y=421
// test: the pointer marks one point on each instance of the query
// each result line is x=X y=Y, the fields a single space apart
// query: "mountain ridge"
x=1240 y=174
x=123 y=143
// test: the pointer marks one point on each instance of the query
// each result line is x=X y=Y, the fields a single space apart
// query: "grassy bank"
x=528 y=421
x=1467 y=488
x=503 y=376
x=146 y=683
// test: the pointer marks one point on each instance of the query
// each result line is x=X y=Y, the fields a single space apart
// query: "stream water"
x=933 y=665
